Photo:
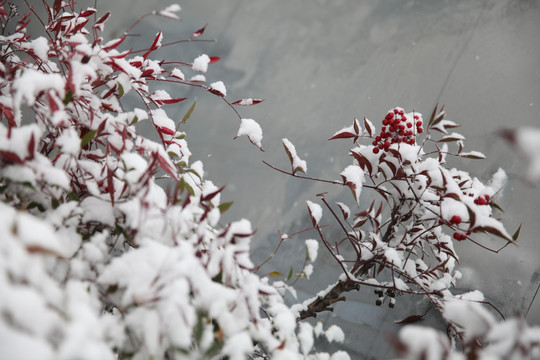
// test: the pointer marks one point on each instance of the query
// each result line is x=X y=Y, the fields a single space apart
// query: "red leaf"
x=10 y=157
x=103 y=18
x=247 y=102
x=110 y=185
x=53 y=106
x=216 y=92
x=113 y=43
x=214 y=59
x=31 y=147
x=165 y=130
x=147 y=72
x=155 y=45
x=172 y=101
x=136 y=64
x=212 y=194
x=165 y=165
x=87 y=12
x=8 y=114
x=343 y=135
x=57 y=6
x=369 y=126
x=198 y=32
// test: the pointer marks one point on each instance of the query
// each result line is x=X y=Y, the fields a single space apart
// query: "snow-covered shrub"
x=402 y=242
x=97 y=259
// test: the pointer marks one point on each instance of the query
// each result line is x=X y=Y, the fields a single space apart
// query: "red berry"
x=480 y=201
x=381 y=146
x=409 y=125
x=416 y=117
x=487 y=198
x=459 y=236
x=455 y=219
x=385 y=122
x=375 y=150
x=420 y=130
x=378 y=138
x=375 y=142
x=396 y=111
x=418 y=123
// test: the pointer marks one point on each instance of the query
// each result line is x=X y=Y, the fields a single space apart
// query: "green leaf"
x=496 y=206
x=73 y=196
x=135 y=120
x=87 y=137
x=516 y=234
x=199 y=327
x=225 y=206
x=68 y=97
x=188 y=114
x=194 y=173
x=37 y=205
x=275 y=274
x=54 y=203
x=289 y=276
x=120 y=90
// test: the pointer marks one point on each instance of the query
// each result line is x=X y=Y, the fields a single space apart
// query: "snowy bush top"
x=112 y=246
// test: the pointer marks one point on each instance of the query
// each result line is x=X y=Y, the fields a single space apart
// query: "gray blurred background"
x=320 y=63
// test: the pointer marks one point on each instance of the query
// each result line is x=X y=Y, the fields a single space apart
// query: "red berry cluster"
x=482 y=200
x=456 y=220
x=398 y=127
x=459 y=237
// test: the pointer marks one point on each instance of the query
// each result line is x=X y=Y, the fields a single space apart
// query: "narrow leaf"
x=87 y=137
x=189 y=112
x=516 y=234
x=225 y=206
x=198 y=32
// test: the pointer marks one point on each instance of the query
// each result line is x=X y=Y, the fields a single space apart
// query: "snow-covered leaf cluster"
x=97 y=259
x=403 y=241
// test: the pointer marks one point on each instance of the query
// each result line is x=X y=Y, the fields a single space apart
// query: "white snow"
x=201 y=63
x=334 y=333
x=40 y=46
x=252 y=130
x=30 y=84
x=423 y=342
x=198 y=78
x=470 y=316
x=162 y=120
x=69 y=142
x=97 y=210
x=177 y=73
x=353 y=177
x=220 y=87
x=312 y=247
x=297 y=163
x=315 y=211
x=305 y=337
